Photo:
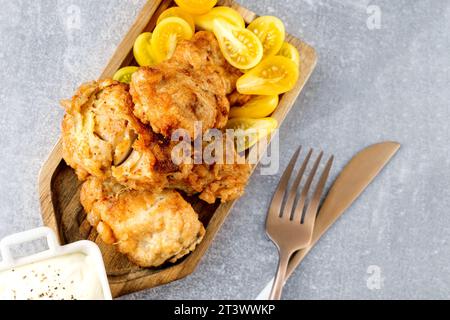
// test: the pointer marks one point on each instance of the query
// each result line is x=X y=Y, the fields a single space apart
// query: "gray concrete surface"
x=371 y=84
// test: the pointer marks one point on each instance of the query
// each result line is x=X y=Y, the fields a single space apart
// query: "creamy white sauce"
x=70 y=277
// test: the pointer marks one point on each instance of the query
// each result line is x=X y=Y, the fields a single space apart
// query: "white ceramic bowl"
x=55 y=250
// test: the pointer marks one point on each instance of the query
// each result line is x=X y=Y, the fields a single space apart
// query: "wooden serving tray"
x=59 y=188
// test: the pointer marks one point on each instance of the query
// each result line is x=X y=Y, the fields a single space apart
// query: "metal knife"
x=349 y=185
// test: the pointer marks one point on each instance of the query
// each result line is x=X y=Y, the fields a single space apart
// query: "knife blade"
x=349 y=185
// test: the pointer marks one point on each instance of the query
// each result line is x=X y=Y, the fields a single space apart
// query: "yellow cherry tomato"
x=142 y=50
x=124 y=74
x=166 y=36
x=290 y=52
x=206 y=21
x=270 y=30
x=248 y=132
x=196 y=6
x=274 y=75
x=179 y=13
x=240 y=47
x=257 y=107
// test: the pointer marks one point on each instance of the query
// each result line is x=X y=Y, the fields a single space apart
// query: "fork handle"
x=278 y=283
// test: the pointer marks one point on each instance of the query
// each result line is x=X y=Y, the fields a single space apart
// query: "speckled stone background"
x=373 y=82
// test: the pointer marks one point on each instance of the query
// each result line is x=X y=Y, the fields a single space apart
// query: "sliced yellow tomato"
x=206 y=21
x=196 y=6
x=166 y=36
x=248 y=132
x=124 y=74
x=143 y=50
x=290 y=52
x=270 y=30
x=179 y=13
x=240 y=47
x=257 y=107
x=274 y=75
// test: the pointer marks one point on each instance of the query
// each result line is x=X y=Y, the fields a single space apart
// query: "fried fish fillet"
x=218 y=181
x=150 y=228
x=101 y=137
x=223 y=175
x=190 y=87
x=118 y=140
x=98 y=128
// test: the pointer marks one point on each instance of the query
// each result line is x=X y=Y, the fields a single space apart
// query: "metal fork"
x=287 y=227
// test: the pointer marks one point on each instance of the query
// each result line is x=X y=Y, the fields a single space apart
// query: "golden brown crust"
x=188 y=88
x=98 y=129
x=237 y=99
x=222 y=179
x=150 y=228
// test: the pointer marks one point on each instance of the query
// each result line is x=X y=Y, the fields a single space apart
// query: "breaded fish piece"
x=98 y=129
x=226 y=182
x=150 y=228
x=222 y=179
x=101 y=137
x=204 y=50
x=190 y=87
x=149 y=165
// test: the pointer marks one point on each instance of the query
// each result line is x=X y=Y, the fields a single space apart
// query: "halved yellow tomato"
x=179 y=13
x=290 y=52
x=270 y=30
x=248 y=132
x=257 y=107
x=240 y=47
x=196 y=6
x=124 y=74
x=206 y=21
x=274 y=75
x=142 y=50
x=166 y=36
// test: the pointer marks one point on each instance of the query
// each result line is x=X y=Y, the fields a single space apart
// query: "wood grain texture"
x=59 y=188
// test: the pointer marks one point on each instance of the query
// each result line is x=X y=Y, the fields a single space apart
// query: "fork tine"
x=277 y=200
x=311 y=211
x=287 y=211
x=301 y=202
